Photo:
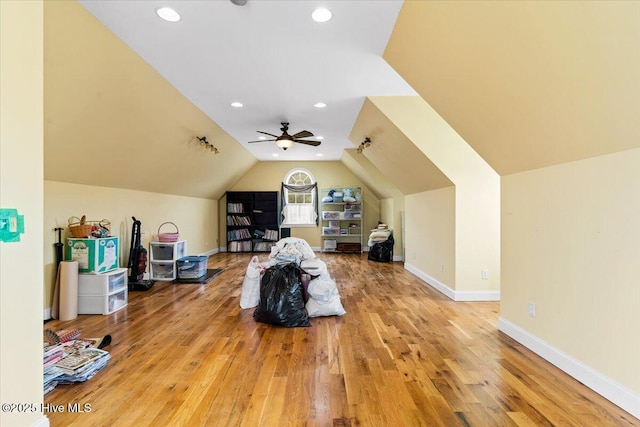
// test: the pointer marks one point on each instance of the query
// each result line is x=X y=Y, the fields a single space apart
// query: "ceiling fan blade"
x=302 y=134
x=262 y=140
x=267 y=133
x=302 y=141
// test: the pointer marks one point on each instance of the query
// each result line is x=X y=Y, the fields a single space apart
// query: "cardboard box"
x=93 y=255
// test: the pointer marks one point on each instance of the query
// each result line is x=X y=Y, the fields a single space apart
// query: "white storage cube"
x=163 y=270
x=168 y=251
x=102 y=284
x=102 y=304
x=330 y=245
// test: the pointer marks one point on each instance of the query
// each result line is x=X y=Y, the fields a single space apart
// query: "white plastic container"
x=102 y=304
x=102 y=284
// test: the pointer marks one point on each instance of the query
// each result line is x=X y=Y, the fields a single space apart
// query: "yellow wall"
x=571 y=245
x=431 y=233
x=268 y=176
x=114 y=121
x=391 y=199
x=477 y=195
x=21 y=177
x=196 y=219
x=527 y=84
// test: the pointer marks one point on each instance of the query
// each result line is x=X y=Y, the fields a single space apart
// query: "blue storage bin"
x=192 y=267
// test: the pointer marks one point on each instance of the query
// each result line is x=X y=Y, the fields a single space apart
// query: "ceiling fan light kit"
x=286 y=141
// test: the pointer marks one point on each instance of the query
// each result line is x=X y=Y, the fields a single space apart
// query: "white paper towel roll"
x=68 y=290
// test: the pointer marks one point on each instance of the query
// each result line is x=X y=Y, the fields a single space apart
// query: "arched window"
x=299 y=199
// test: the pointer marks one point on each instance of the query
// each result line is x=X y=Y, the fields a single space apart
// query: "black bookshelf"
x=252 y=220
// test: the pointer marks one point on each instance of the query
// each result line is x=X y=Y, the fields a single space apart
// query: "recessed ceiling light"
x=262 y=137
x=321 y=15
x=275 y=155
x=236 y=104
x=319 y=154
x=168 y=14
x=319 y=105
x=320 y=137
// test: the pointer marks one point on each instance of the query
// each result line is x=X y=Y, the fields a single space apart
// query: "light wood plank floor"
x=403 y=355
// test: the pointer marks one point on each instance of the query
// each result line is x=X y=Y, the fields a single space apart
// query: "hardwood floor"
x=403 y=355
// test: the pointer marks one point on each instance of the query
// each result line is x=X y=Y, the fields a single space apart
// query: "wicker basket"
x=168 y=237
x=80 y=227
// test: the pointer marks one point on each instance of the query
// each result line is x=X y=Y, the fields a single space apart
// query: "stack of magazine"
x=81 y=361
x=52 y=354
x=68 y=361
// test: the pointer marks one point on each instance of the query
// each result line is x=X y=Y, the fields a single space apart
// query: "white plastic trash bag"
x=324 y=298
x=250 y=296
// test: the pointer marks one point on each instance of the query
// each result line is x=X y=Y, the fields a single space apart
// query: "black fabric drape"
x=300 y=189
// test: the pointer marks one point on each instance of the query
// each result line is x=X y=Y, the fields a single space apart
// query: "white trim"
x=479 y=295
x=211 y=252
x=43 y=421
x=294 y=170
x=617 y=393
x=398 y=258
x=437 y=285
x=46 y=315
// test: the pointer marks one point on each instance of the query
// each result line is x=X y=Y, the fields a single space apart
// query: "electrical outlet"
x=532 y=309
x=485 y=274
x=441 y=267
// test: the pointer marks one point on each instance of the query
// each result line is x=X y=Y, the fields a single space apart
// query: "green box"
x=93 y=255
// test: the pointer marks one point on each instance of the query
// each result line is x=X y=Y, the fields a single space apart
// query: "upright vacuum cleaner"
x=137 y=261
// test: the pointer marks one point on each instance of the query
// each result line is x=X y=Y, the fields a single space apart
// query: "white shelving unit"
x=164 y=257
x=341 y=220
x=102 y=293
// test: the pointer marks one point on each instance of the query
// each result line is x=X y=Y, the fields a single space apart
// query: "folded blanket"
x=378 y=236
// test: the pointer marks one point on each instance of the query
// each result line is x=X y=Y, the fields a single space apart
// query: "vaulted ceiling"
x=526 y=84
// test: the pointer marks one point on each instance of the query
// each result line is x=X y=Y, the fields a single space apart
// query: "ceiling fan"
x=285 y=140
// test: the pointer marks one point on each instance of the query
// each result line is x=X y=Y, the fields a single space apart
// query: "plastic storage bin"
x=102 y=284
x=168 y=251
x=102 y=304
x=164 y=270
x=192 y=267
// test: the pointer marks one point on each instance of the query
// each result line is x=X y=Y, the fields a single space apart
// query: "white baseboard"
x=480 y=295
x=211 y=252
x=601 y=384
x=46 y=315
x=399 y=258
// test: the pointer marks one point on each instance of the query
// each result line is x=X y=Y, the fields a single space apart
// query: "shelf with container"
x=341 y=219
x=252 y=220
x=164 y=256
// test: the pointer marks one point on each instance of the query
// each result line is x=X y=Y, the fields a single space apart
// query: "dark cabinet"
x=252 y=220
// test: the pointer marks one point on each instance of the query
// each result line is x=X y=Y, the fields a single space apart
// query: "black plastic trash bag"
x=282 y=297
x=382 y=251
